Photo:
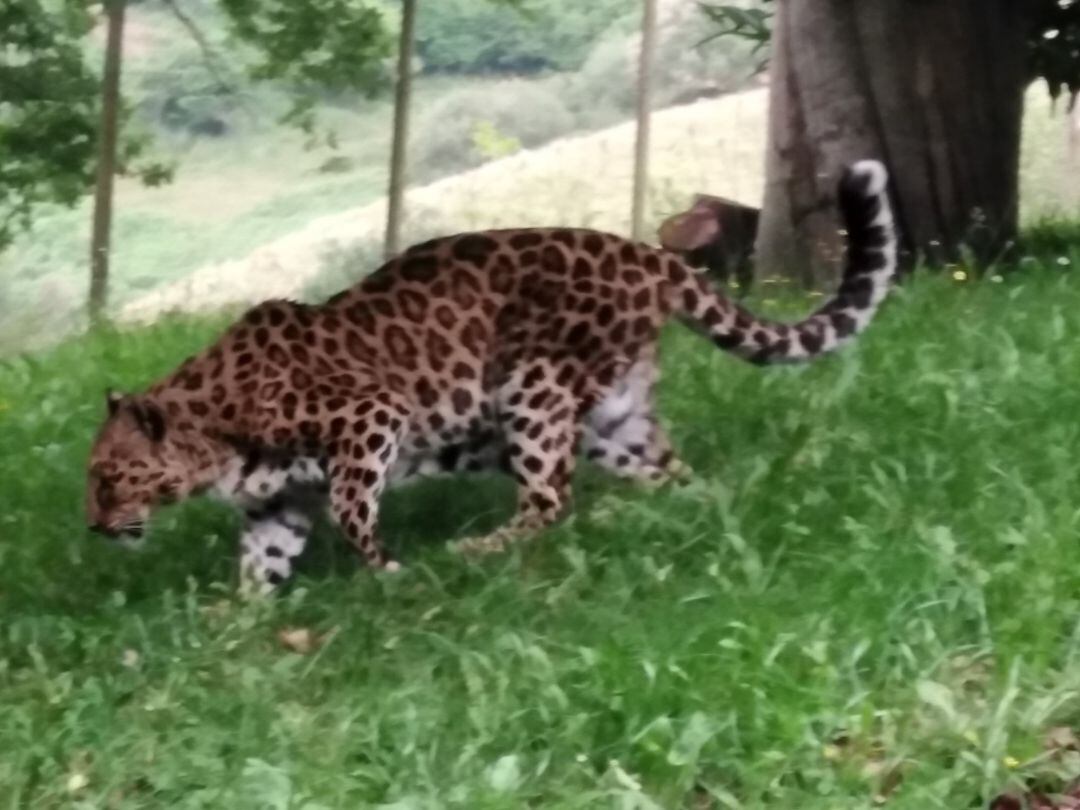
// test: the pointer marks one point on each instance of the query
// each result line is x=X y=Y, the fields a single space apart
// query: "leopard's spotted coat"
x=512 y=349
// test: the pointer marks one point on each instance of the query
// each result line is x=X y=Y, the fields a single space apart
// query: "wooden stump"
x=717 y=234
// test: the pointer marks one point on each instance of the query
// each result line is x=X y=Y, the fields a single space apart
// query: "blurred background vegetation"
x=494 y=81
x=257 y=206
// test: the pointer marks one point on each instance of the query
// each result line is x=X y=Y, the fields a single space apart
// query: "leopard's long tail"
x=868 y=274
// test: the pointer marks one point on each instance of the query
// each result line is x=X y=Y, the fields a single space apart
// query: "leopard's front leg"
x=360 y=459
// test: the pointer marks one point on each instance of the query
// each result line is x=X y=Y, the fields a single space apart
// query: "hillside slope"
x=580 y=181
x=715 y=145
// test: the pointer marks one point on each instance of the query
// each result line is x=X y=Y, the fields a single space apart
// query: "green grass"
x=871 y=588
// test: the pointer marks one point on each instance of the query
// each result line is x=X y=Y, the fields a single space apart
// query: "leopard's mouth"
x=129 y=535
x=133 y=541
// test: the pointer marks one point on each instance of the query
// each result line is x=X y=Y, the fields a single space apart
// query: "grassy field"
x=869 y=594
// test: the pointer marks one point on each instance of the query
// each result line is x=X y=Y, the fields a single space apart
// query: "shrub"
x=686 y=67
x=478 y=36
x=341 y=267
x=344 y=264
x=337 y=164
x=610 y=74
x=459 y=132
x=689 y=67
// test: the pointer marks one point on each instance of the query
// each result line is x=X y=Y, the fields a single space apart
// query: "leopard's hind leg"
x=622 y=434
x=538 y=420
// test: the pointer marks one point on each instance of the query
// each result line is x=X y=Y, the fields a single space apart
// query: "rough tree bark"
x=106 y=170
x=398 y=156
x=933 y=87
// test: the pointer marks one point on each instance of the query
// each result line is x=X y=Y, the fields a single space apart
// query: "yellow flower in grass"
x=1010 y=762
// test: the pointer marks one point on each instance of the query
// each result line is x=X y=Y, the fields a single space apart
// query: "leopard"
x=517 y=351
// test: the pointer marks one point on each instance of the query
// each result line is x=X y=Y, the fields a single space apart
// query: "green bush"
x=686 y=67
x=341 y=267
x=478 y=36
x=456 y=133
x=345 y=264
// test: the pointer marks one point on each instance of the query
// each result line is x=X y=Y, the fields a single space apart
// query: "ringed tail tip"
x=865 y=178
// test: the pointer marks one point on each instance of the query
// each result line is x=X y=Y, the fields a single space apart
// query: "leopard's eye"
x=104 y=496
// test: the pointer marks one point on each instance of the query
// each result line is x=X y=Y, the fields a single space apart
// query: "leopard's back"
x=487 y=299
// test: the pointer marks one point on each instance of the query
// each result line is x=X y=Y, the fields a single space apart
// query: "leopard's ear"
x=150 y=418
x=113 y=400
x=691 y=229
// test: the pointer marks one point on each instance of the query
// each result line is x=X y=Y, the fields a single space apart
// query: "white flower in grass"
x=1064 y=261
x=76 y=782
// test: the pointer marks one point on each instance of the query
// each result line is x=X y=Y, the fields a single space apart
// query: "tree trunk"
x=106 y=170
x=644 y=118
x=398 y=156
x=933 y=87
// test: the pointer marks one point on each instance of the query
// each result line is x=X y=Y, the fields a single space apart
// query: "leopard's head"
x=135 y=466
